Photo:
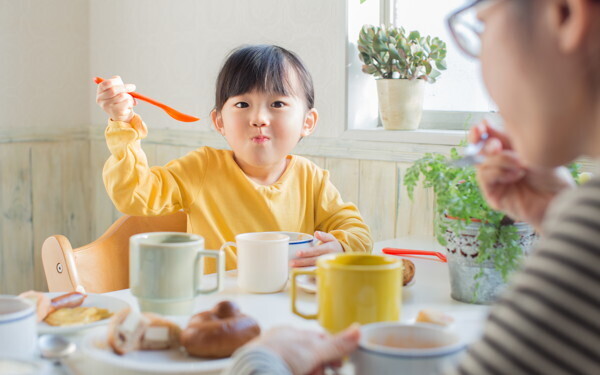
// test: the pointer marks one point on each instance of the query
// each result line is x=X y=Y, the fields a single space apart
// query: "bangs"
x=265 y=68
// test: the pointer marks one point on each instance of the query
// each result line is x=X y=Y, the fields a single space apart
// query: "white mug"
x=18 y=328
x=417 y=349
x=262 y=261
x=166 y=268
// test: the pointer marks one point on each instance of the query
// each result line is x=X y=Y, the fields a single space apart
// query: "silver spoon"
x=55 y=348
x=471 y=154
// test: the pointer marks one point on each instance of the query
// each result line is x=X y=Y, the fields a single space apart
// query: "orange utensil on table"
x=170 y=111
x=393 y=251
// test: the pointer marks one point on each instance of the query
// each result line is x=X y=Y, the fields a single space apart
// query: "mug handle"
x=296 y=272
x=199 y=270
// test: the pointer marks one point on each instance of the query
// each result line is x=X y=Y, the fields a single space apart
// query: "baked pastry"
x=219 y=332
x=129 y=330
x=408 y=271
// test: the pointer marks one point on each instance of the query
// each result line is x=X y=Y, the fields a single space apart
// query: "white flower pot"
x=400 y=103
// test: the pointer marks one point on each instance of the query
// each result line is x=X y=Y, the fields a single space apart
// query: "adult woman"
x=540 y=61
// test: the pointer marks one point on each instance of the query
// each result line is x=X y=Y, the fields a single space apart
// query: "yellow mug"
x=352 y=288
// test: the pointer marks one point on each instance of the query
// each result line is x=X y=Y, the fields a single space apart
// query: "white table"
x=431 y=289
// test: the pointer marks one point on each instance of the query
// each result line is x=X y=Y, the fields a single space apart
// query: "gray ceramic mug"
x=165 y=271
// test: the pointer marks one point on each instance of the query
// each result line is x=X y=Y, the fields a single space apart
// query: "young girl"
x=264 y=107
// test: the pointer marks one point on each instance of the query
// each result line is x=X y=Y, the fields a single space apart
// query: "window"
x=456 y=99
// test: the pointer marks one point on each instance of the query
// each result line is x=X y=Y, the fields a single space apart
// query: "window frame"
x=436 y=127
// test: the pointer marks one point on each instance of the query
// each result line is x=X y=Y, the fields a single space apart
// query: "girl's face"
x=262 y=129
x=535 y=84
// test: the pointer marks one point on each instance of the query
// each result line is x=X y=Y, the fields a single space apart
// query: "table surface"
x=431 y=289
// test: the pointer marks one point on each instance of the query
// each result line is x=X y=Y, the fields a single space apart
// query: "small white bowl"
x=18 y=335
x=417 y=349
x=298 y=241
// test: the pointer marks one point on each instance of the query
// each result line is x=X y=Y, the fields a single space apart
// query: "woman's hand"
x=113 y=97
x=308 y=256
x=522 y=193
x=310 y=352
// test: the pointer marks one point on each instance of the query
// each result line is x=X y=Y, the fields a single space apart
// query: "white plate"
x=166 y=361
x=112 y=304
x=307 y=283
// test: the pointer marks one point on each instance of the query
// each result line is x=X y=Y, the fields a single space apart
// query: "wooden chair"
x=103 y=265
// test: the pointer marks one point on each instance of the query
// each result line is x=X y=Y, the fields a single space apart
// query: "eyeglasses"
x=466 y=28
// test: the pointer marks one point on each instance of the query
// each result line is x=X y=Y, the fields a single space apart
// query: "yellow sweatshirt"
x=220 y=200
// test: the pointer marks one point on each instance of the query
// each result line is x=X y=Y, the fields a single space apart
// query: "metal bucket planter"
x=462 y=251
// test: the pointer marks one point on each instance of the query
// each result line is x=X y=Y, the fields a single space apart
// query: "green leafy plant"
x=392 y=53
x=457 y=196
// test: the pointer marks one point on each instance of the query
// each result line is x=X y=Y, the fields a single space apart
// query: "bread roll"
x=408 y=271
x=219 y=332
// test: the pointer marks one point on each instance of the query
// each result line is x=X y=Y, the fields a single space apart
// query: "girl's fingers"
x=324 y=236
x=304 y=262
x=313 y=252
x=111 y=92
x=122 y=97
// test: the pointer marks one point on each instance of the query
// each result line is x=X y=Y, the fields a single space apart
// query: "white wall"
x=173 y=50
x=44 y=65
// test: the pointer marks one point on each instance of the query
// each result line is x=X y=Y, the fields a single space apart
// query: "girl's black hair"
x=265 y=68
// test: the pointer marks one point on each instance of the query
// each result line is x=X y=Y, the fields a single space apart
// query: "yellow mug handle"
x=296 y=272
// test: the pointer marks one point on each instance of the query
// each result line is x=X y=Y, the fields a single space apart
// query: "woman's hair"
x=266 y=68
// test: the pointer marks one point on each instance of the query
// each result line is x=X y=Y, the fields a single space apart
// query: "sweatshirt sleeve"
x=341 y=219
x=138 y=189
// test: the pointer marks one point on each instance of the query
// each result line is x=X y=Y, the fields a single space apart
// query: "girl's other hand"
x=308 y=257
x=112 y=95
x=522 y=193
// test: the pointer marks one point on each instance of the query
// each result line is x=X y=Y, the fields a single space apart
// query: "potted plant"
x=401 y=62
x=483 y=246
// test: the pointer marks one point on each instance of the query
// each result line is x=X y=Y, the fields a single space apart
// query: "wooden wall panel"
x=76 y=187
x=166 y=153
x=16 y=218
x=378 y=196
x=413 y=217
x=345 y=176
x=48 y=203
x=102 y=210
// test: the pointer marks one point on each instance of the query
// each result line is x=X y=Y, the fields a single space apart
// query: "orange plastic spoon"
x=170 y=111
x=393 y=251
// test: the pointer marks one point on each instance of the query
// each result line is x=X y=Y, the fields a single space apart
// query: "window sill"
x=419 y=136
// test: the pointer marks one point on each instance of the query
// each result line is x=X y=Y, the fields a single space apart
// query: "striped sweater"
x=548 y=321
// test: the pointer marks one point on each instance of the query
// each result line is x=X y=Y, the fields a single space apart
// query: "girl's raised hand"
x=308 y=257
x=112 y=96
x=522 y=193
